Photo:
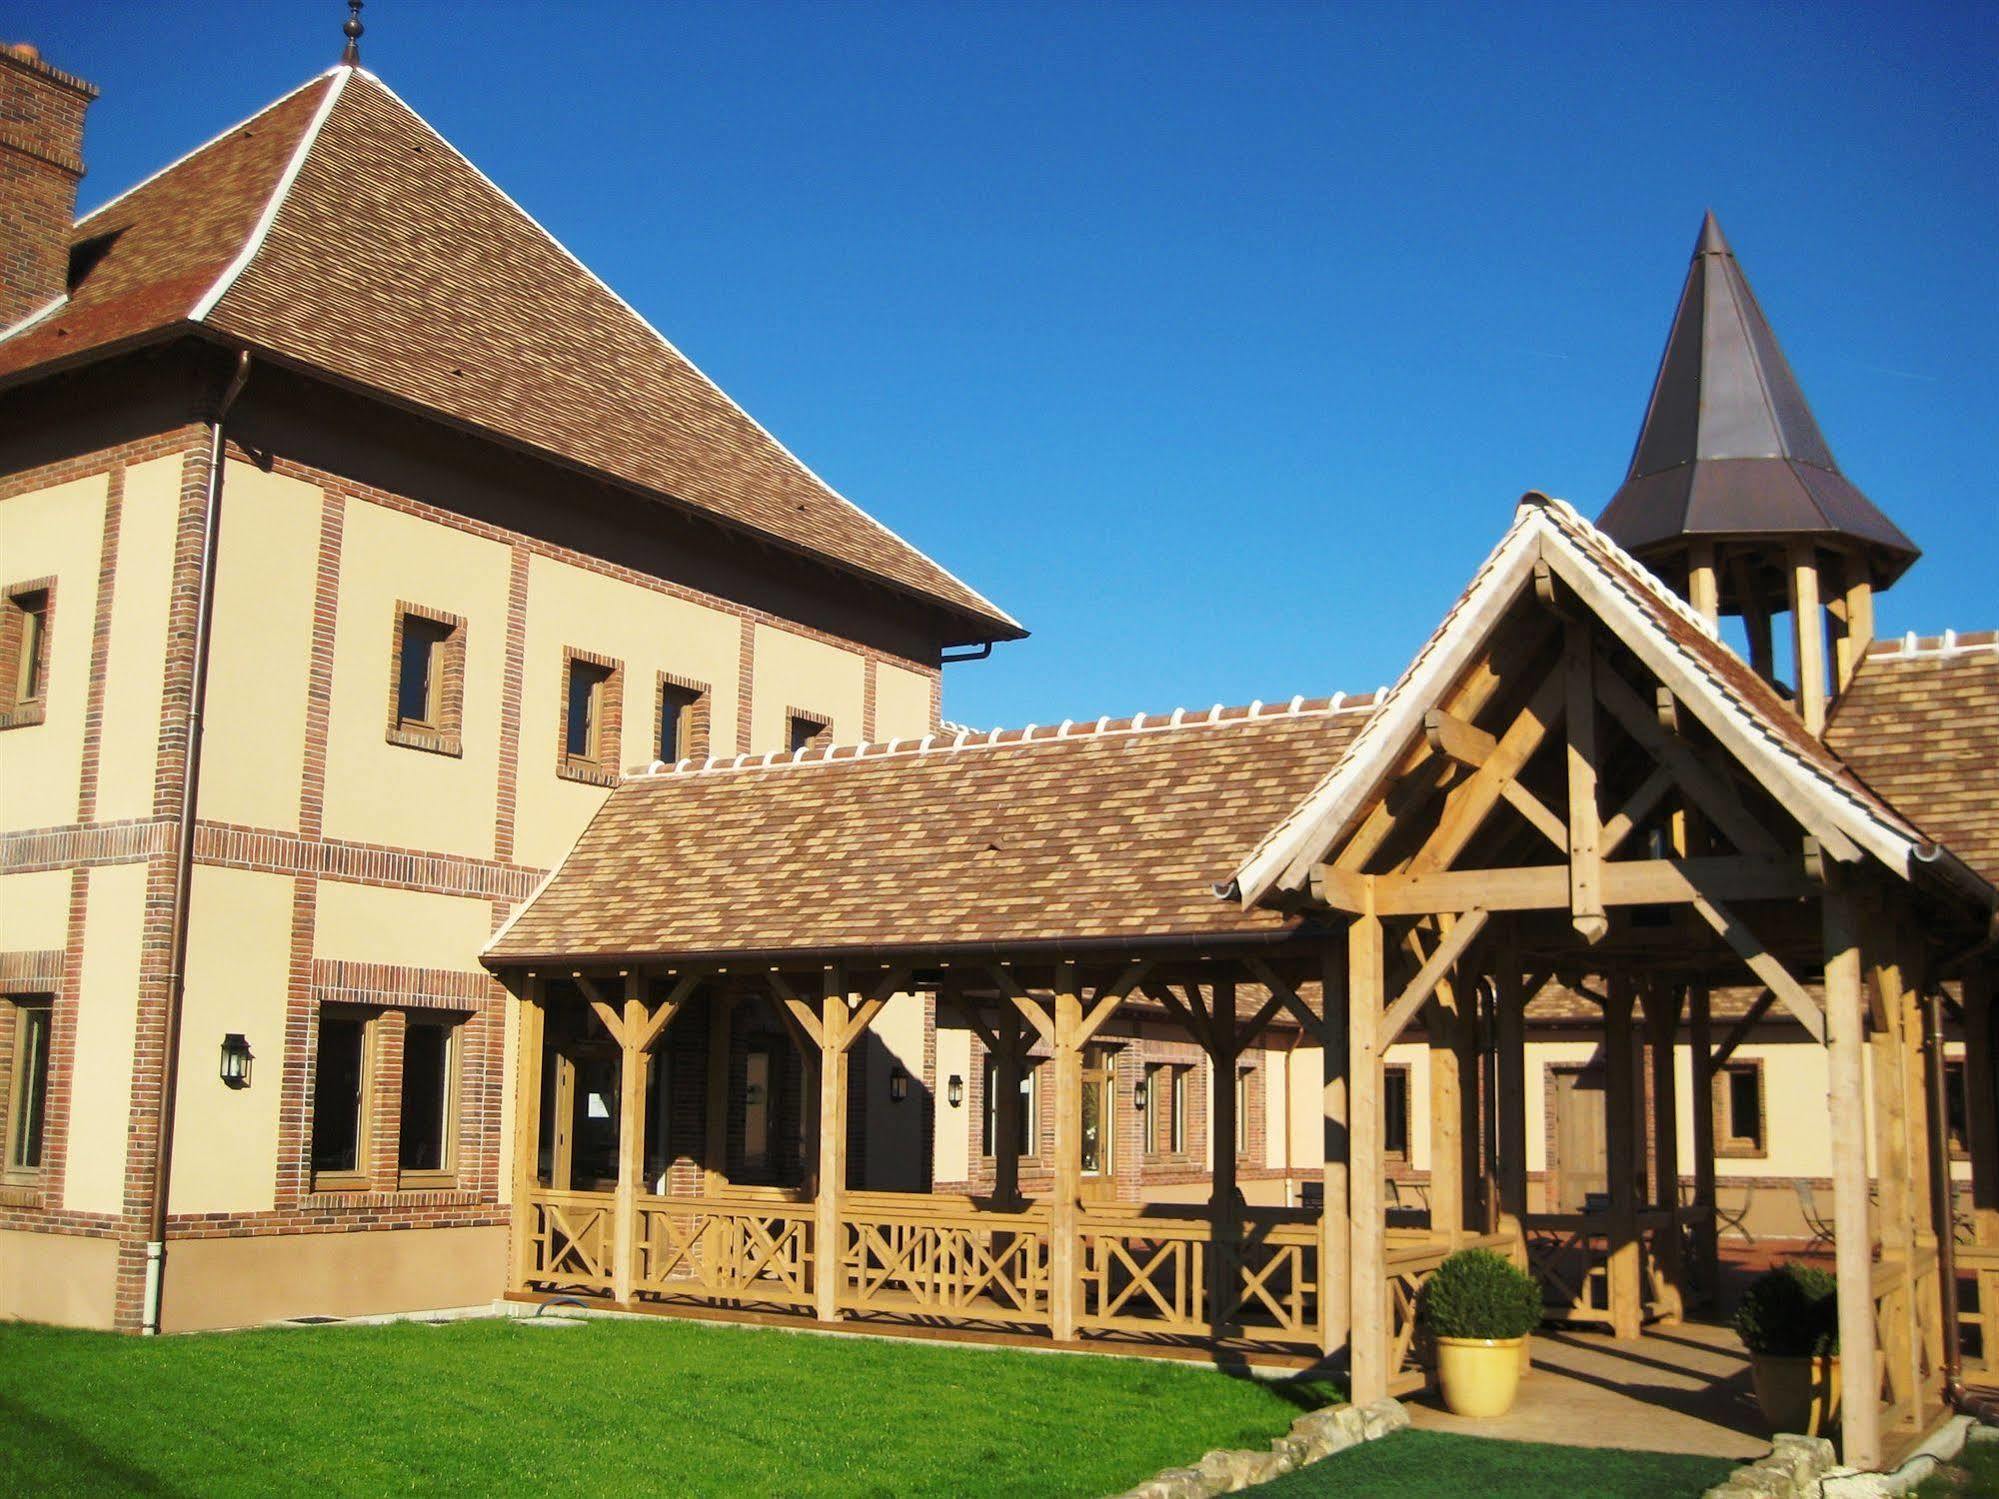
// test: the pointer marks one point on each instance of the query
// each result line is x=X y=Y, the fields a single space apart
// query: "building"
x=576 y=891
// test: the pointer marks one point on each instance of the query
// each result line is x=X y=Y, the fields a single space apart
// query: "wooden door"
x=1581 y=1140
x=1099 y=1134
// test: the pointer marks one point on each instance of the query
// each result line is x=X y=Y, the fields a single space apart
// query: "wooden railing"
x=569 y=1238
x=904 y=1255
x=1569 y=1253
x=1978 y=1312
x=731 y=1247
x=1907 y=1333
x=1413 y=1255
x=1145 y=1271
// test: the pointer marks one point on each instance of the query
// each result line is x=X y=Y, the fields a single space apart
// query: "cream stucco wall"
x=60 y=1278
x=107 y=1023
x=648 y=632
x=34 y=911
x=952 y=1143
x=902 y=703
x=378 y=792
x=260 y=657
x=136 y=663
x=238 y=962
x=373 y=924
x=790 y=671
x=56 y=532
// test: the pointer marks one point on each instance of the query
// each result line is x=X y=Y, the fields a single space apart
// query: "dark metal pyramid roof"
x=1729 y=447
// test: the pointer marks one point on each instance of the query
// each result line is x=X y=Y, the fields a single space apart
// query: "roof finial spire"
x=350 y=55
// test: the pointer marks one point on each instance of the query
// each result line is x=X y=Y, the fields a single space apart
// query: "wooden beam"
x=633 y=1065
x=1511 y=1114
x=1531 y=807
x=798 y=1010
x=1367 y=1266
x=1620 y=1133
x=1463 y=742
x=1264 y=974
x=1707 y=1228
x=828 y=1237
x=1335 y=1217
x=859 y=1019
x=1859 y=620
x=1714 y=795
x=1468 y=805
x=1447 y=1141
x=1449 y=949
x=1634 y=882
x=1808 y=634
x=1763 y=963
x=1586 y=912
x=891 y=983
x=654 y=1023
x=1104 y=1004
x=1342 y=889
x=1853 y=1243
x=527 y=1131
x=1703 y=589
x=1065 y=1281
x=1662 y=1023
x=1739 y=1032
x=1025 y=1004
x=1635 y=809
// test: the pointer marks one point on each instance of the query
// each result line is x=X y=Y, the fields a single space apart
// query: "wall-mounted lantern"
x=1138 y=1091
x=235 y=1060
x=955 y=1091
x=898 y=1085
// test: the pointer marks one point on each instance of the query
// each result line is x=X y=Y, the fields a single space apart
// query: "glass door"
x=1099 y=1142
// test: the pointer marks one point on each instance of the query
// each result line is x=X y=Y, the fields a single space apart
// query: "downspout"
x=204 y=620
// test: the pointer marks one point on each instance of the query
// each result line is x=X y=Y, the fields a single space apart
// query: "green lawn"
x=1973 y=1474
x=1415 y=1463
x=612 y=1406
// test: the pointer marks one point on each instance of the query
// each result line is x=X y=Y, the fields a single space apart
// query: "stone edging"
x=1314 y=1435
x=1791 y=1471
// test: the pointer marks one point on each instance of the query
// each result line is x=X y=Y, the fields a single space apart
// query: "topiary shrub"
x=1790 y=1312
x=1478 y=1294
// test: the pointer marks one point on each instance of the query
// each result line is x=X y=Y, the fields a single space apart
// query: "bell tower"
x=1735 y=500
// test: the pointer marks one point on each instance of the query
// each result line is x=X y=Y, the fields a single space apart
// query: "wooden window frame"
x=361 y=1178
x=1727 y=1144
x=599 y=767
x=13 y=1084
x=689 y=700
x=1242 y=1096
x=452 y=1023
x=442 y=732
x=1030 y=1109
x=1398 y=1075
x=821 y=736
x=34 y=597
x=1166 y=1109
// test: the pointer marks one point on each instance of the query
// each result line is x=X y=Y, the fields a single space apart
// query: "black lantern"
x=1138 y=1090
x=898 y=1085
x=955 y=1090
x=235 y=1060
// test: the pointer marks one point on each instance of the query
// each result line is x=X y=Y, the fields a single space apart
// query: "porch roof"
x=1084 y=835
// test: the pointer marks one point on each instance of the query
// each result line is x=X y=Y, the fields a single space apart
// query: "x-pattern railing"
x=735 y=1251
x=571 y=1241
x=996 y=1266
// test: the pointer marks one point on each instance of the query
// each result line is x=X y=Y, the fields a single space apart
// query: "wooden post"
x=1627 y=1312
x=1007 y=1069
x=1859 y=619
x=1981 y=1107
x=827 y=1237
x=1586 y=911
x=715 y=1145
x=1808 y=636
x=1335 y=1223
x=1367 y=1267
x=1662 y=1016
x=1708 y=1229
x=1702 y=591
x=1860 y=1404
x=1511 y=1122
x=1222 y=1056
x=527 y=1131
x=631 y=1141
x=1447 y=1156
x=1895 y=1185
x=1064 y=1272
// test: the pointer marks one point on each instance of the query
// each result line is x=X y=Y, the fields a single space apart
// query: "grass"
x=1972 y=1474
x=1432 y=1462
x=608 y=1407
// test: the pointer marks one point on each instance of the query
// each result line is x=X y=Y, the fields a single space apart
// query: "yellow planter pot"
x=1480 y=1376
x=1797 y=1394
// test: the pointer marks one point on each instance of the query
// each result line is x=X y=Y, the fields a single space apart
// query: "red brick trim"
x=821 y=737
x=445 y=736
x=274 y=852
x=870 y=672
x=512 y=685
x=319 y=693
x=100 y=645
x=37 y=849
x=31 y=971
x=337 y=981
x=28 y=712
x=746 y=673
x=696 y=741
x=601 y=769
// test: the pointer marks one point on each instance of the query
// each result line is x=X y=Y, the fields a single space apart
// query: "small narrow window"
x=1026 y=1132
x=1242 y=1078
x=1166 y=1103
x=28 y=1086
x=426 y=697
x=26 y=611
x=339 y=1091
x=1738 y=1125
x=590 y=718
x=759 y=1109
x=683 y=720
x=1395 y=1112
x=430 y=1048
x=805 y=731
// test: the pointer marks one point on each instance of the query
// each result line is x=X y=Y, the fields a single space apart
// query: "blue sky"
x=1213 y=341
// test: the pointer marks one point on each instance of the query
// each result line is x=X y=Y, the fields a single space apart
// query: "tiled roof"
x=1920 y=724
x=1099 y=833
x=338 y=231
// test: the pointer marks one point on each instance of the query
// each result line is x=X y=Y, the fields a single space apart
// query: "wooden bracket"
x=1449 y=949
x=1764 y=964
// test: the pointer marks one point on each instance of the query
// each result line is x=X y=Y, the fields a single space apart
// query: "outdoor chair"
x=1819 y=1226
x=1735 y=1215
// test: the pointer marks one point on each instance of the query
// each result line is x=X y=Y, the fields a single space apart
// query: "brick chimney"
x=41 y=162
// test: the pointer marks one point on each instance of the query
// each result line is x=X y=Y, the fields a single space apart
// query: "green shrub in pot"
x=1788 y=1319
x=1479 y=1307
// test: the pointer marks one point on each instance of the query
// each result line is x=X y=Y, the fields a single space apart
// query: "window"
x=1956 y=1109
x=26 y=612
x=1030 y=1090
x=339 y=1099
x=27 y=1085
x=427 y=687
x=1395 y=1112
x=805 y=731
x=592 y=693
x=683 y=720
x=1242 y=1077
x=1166 y=1108
x=759 y=1108
x=1738 y=1109
x=426 y=1144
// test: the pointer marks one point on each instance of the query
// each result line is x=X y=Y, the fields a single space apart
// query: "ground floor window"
x=427 y=1144
x=1027 y=1130
x=1738 y=1109
x=1166 y=1102
x=27 y=1083
x=348 y=1070
x=1395 y=1113
x=339 y=1094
